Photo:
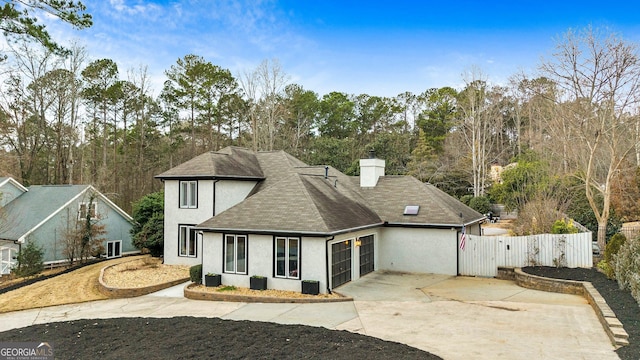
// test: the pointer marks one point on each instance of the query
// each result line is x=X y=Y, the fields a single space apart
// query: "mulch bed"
x=197 y=338
x=621 y=302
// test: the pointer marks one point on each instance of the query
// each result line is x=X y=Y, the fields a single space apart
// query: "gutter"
x=424 y=225
x=326 y=261
x=207 y=177
x=288 y=232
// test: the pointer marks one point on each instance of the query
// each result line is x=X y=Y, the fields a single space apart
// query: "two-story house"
x=241 y=213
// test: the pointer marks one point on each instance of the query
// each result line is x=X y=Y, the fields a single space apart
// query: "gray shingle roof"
x=296 y=204
x=297 y=198
x=230 y=162
x=392 y=193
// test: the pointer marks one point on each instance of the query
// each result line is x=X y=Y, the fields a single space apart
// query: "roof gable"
x=34 y=207
x=298 y=204
x=10 y=189
x=41 y=203
x=230 y=162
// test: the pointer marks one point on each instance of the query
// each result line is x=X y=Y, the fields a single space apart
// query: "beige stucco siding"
x=418 y=250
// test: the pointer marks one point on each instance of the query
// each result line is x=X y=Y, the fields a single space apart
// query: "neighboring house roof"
x=230 y=162
x=319 y=200
x=41 y=203
x=7 y=180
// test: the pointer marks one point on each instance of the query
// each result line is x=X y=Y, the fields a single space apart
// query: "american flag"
x=463 y=238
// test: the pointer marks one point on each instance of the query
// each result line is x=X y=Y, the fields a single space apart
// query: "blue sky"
x=375 y=47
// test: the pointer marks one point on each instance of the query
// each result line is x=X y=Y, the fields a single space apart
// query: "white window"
x=90 y=207
x=287 y=257
x=114 y=249
x=187 y=241
x=188 y=194
x=235 y=254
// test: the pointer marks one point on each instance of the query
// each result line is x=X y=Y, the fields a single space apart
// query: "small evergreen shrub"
x=29 y=260
x=606 y=268
x=610 y=251
x=195 y=273
x=627 y=267
x=563 y=226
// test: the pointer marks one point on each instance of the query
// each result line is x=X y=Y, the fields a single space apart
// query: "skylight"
x=411 y=209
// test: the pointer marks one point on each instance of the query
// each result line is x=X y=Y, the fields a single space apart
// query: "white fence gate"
x=483 y=255
x=7 y=261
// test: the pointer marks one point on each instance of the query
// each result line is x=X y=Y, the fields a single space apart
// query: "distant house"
x=241 y=213
x=44 y=214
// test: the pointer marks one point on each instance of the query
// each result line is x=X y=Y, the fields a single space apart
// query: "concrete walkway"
x=453 y=317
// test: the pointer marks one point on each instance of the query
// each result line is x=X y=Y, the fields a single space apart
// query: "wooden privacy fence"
x=483 y=255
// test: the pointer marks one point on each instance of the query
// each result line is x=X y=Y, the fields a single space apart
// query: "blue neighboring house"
x=45 y=214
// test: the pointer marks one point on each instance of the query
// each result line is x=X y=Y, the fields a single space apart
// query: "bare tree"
x=480 y=126
x=264 y=89
x=82 y=234
x=598 y=75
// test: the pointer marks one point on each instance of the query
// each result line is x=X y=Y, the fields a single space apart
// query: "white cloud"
x=138 y=9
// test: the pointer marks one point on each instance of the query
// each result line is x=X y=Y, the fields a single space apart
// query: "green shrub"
x=29 y=260
x=563 y=226
x=606 y=268
x=148 y=230
x=227 y=288
x=627 y=267
x=465 y=199
x=480 y=204
x=195 y=273
x=610 y=251
x=151 y=235
x=613 y=246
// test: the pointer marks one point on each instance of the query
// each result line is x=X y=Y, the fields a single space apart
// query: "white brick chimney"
x=370 y=170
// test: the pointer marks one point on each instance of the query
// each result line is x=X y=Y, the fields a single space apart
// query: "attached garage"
x=341 y=263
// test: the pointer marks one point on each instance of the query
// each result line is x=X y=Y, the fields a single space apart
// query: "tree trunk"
x=602 y=234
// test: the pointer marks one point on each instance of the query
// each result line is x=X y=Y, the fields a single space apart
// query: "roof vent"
x=411 y=209
x=372 y=154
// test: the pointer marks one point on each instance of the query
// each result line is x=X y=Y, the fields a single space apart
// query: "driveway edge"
x=612 y=326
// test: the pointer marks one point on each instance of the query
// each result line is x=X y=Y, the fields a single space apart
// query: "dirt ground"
x=78 y=286
x=143 y=271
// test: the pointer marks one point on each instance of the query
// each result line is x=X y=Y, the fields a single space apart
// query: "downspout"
x=457 y=254
x=214 y=197
x=326 y=261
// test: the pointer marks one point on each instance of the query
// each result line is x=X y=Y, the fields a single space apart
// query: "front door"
x=366 y=255
x=340 y=263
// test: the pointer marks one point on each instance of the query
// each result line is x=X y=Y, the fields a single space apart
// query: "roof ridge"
x=311 y=200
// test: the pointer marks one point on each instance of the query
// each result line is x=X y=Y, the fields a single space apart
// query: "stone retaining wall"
x=114 y=292
x=190 y=293
x=612 y=326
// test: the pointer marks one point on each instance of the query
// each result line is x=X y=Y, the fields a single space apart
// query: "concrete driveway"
x=477 y=318
x=453 y=317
